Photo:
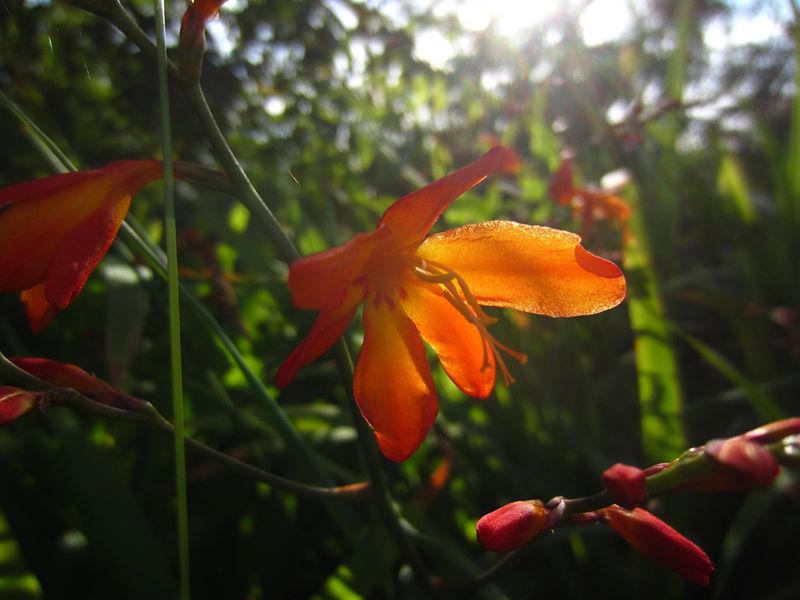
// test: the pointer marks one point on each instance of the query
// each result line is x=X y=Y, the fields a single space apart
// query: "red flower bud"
x=661 y=543
x=65 y=375
x=743 y=465
x=625 y=484
x=15 y=402
x=193 y=34
x=772 y=432
x=511 y=526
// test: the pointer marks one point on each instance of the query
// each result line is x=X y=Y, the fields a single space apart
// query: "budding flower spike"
x=416 y=288
x=512 y=526
x=54 y=232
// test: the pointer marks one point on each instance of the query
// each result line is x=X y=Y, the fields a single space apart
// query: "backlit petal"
x=393 y=385
x=464 y=354
x=28 y=190
x=412 y=216
x=530 y=268
x=331 y=323
x=321 y=280
x=82 y=250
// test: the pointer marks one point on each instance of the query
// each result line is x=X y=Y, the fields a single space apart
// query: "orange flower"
x=589 y=204
x=660 y=543
x=55 y=231
x=415 y=288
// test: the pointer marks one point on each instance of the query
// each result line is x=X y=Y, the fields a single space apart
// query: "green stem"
x=174 y=305
x=381 y=493
x=149 y=415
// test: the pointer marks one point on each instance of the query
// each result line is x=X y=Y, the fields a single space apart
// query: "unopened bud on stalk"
x=626 y=485
x=193 y=35
x=512 y=526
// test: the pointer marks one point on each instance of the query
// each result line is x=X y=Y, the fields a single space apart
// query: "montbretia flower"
x=589 y=204
x=55 y=231
x=660 y=543
x=416 y=288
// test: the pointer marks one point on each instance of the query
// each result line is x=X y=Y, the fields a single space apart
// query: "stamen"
x=464 y=301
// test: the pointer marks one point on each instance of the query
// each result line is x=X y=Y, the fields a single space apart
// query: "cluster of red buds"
x=746 y=461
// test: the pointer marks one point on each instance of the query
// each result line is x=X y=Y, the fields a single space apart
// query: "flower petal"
x=465 y=356
x=393 y=385
x=330 y=324
x=412 y=216
x=82 y=250
x=534 y=269
x=28 y=190
x=37 y=308
x=321 y=280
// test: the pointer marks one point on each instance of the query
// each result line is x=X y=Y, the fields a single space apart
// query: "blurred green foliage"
x=334 y=114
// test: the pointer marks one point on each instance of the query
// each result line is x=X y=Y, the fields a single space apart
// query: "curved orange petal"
x=38 y=310
x=82 y=250
x=465 y=356
x=321 y=280
x=534 y=269
x=330 y=324
x=393 y=386
x=412 y=216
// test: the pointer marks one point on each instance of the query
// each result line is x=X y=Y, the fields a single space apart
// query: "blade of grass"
x=174 y=304
x=660 y=396
x=762 y=404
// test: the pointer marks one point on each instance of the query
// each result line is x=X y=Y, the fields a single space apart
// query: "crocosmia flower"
x=660 y=543
x=55 y=231
x=416 y=288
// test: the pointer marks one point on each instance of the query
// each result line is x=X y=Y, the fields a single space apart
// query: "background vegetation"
x=335 y=109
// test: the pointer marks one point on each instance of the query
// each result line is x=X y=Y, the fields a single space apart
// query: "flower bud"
x=626 y=485
x=511 y=526
x=193 y=35
x=15 y=402
x=772 y=432
x=660 y=543
x=743 y=465
x=65 y=375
